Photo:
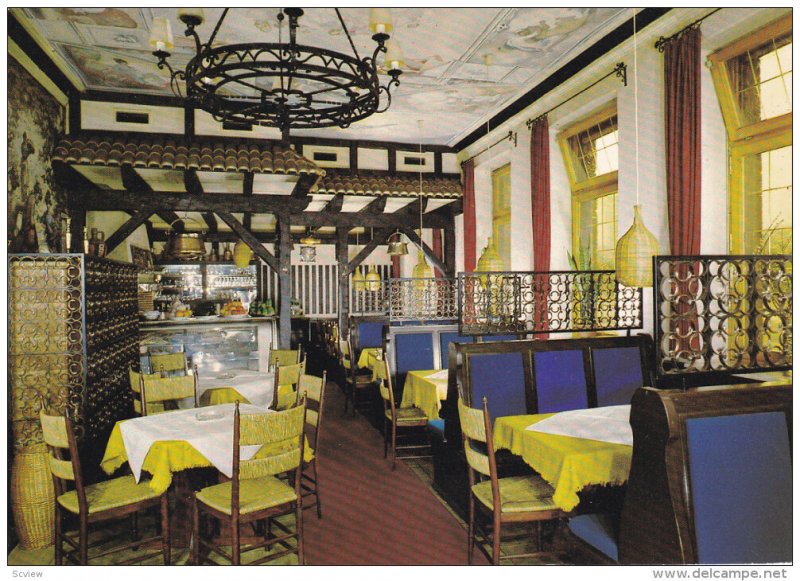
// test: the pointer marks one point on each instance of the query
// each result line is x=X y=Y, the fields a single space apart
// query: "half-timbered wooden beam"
x=344 y=282
x=378 y=238
x=334 y=206
x=414 y=237
x=284 y=250
x=128 y=228
x=249 y=239
x=303 y=185
x=376 y=206
x=133 y=182
x=191 y=182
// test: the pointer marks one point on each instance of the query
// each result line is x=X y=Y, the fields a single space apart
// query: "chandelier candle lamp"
x=358 y=280
x=282 y=84
x=308 y=247
x=373 y=279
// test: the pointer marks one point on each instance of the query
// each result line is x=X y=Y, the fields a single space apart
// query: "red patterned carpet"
x=372 y=515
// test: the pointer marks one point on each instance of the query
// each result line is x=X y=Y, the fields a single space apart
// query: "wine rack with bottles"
x=73 y=334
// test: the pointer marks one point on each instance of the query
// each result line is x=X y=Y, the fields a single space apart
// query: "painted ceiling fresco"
x=461 y=64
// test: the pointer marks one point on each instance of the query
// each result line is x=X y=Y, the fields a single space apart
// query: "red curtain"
x=682 y=67
x=469 y=215
x=682 y=119
x=437 y=250
x=540 y=215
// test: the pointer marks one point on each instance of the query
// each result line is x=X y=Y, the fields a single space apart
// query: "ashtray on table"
x=209 y=415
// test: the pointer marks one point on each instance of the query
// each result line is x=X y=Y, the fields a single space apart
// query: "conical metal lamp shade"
x=634 y=253
x=397 y=249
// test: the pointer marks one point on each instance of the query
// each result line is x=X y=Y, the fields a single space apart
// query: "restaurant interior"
x=407 y=286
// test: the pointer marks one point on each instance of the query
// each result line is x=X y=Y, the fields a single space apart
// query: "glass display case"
x=215 y=346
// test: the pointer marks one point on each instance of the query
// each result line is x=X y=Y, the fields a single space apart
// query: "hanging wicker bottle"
x=373 y=279
x=422 y=270
x=242 y=255
x=358 y=280
x=634 y=253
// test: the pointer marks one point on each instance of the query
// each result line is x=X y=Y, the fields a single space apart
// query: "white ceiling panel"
x=355 y=203
x=219 y=182
x=163 y=180
x=273 y=184
x=436 y=203
x=394 y=204
x=108 y=178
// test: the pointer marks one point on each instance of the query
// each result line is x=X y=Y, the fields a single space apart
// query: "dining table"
x=169 y=445
x=574 y=450
x=369 y=358
x=425 y=389
x=243 y=385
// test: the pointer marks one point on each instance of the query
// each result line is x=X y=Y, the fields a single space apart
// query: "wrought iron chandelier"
x=283 y=85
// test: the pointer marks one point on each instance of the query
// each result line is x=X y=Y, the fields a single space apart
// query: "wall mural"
x=36 y=203
x=447 y=82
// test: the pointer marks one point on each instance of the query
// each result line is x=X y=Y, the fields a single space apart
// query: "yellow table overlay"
x=220 y=395
x=423 y=392
x=369 y=357
x=166 y=457
x=568 y=464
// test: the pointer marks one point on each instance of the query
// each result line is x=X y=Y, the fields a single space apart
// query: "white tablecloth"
x=213 y=438
x=256 y=386
x=605 y=424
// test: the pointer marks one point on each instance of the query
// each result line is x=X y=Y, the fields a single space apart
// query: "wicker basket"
x=32 y=498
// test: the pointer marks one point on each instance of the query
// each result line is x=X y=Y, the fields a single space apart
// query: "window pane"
x=761 y=79
x=501 y=212
x=767 y=186
x=594 y=151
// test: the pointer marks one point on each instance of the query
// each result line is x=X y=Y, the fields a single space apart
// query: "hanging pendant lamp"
x=242 y=255
x=635 y=249
x=358 y=280
x=373 y=279
x=397 y=247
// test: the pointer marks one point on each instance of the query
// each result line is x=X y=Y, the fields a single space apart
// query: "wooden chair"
x=111 y=499
x=395 y=418
x=135 y=382
x=313 y=388
x=164 y=390
x=513 y=499
x=255 y=493
x=355 y=380
x=285 y=393
x=280 y=357
x=169 y=364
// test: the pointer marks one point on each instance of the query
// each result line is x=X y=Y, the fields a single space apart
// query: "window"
x=753 y=80
x=501 y=212
x=590 y=149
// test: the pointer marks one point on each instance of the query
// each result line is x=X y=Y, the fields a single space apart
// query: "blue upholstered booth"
x=501 y=378
x=560 y=380
x=740 y=475
x=599 y=531
x=447 y=337
x=711 y=476
x=370 y=334
x=617 y=374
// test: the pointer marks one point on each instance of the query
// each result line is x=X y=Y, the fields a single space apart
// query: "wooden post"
x=77 y=221
x=344 y=281
x=284 y=251
x=450 y=249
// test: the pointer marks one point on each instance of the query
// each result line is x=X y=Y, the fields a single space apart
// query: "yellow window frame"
x=591 y=188
x=746 y=139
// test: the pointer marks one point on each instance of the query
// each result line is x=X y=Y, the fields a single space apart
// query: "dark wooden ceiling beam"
x=211 y=221
x=376 y=206
x=303 y=185
x=334 y=205
x=191 y=182
x=133 y=182
x=128 y=228
x=161 y=235
x=379 y=237
x=247 y=190
x=415 y=239
x=249 y=239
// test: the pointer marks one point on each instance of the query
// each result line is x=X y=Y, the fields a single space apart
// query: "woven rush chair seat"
x=517 y=494
x=152 y=407
x=254 y=495
x=108 y=494
x=112 y=499
x=169 y=363
x=165 y=390
x=406 y=415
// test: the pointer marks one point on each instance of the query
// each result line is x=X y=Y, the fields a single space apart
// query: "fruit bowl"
x=151 y=315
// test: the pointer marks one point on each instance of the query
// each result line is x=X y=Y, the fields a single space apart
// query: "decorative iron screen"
x=722 y=313
x=422 y=299
x=495 y=303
